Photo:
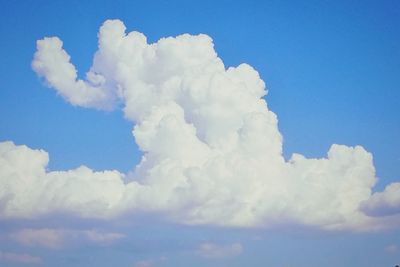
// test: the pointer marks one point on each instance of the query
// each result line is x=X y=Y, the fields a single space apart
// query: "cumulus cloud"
x=57 y=238
x=27 y=190
x=21 y=258
x=212 y=250
x=52 y=62
x=384 y=203
x=212 y=150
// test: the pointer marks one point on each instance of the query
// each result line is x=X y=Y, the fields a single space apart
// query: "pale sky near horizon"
x=215 y=190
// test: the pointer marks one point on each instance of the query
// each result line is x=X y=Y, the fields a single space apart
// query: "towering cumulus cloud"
x=212 y=151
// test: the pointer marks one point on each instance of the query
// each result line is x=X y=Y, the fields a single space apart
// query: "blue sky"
x=332 y=71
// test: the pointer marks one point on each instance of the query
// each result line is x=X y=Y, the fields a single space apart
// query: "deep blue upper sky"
x=332 y=69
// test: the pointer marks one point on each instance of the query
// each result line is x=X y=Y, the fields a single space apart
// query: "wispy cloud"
x=149 y=262
x=101 y=237
x=49 y=238
x=144 y=263
x=213 y=250
x=22 y=258
x=392 y=248
x=57 y=238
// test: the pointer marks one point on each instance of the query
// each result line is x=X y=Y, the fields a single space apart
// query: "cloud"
x=384 y=203
x=212 y=150
x=150 y=262
x=212 y=250
x=144 y=263
x=57 y=238
x=28 y=190
x=50 y=238
x=392 y=248
x=22 y=258
x=52 y=62
x=102 y=237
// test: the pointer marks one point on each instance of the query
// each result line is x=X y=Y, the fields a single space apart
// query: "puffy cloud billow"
x=212 y=151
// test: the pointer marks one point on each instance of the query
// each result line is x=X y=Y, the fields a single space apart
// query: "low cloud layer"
x=212 y=150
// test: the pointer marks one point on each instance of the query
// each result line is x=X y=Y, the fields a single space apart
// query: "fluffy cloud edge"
x=385 y=203
x=212 y=150
x=87 y=178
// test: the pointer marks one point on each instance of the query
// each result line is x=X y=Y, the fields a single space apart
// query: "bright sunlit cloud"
x=212 y=150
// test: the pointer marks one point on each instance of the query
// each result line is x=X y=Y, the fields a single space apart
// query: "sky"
x=208 y=133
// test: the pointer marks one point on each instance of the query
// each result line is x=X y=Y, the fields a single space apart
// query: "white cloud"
x=27 y=190
x=23 y=258
x=212 y=148
x=57 y=238
x=52 y=62
x=212 y=250
x=384 y=203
